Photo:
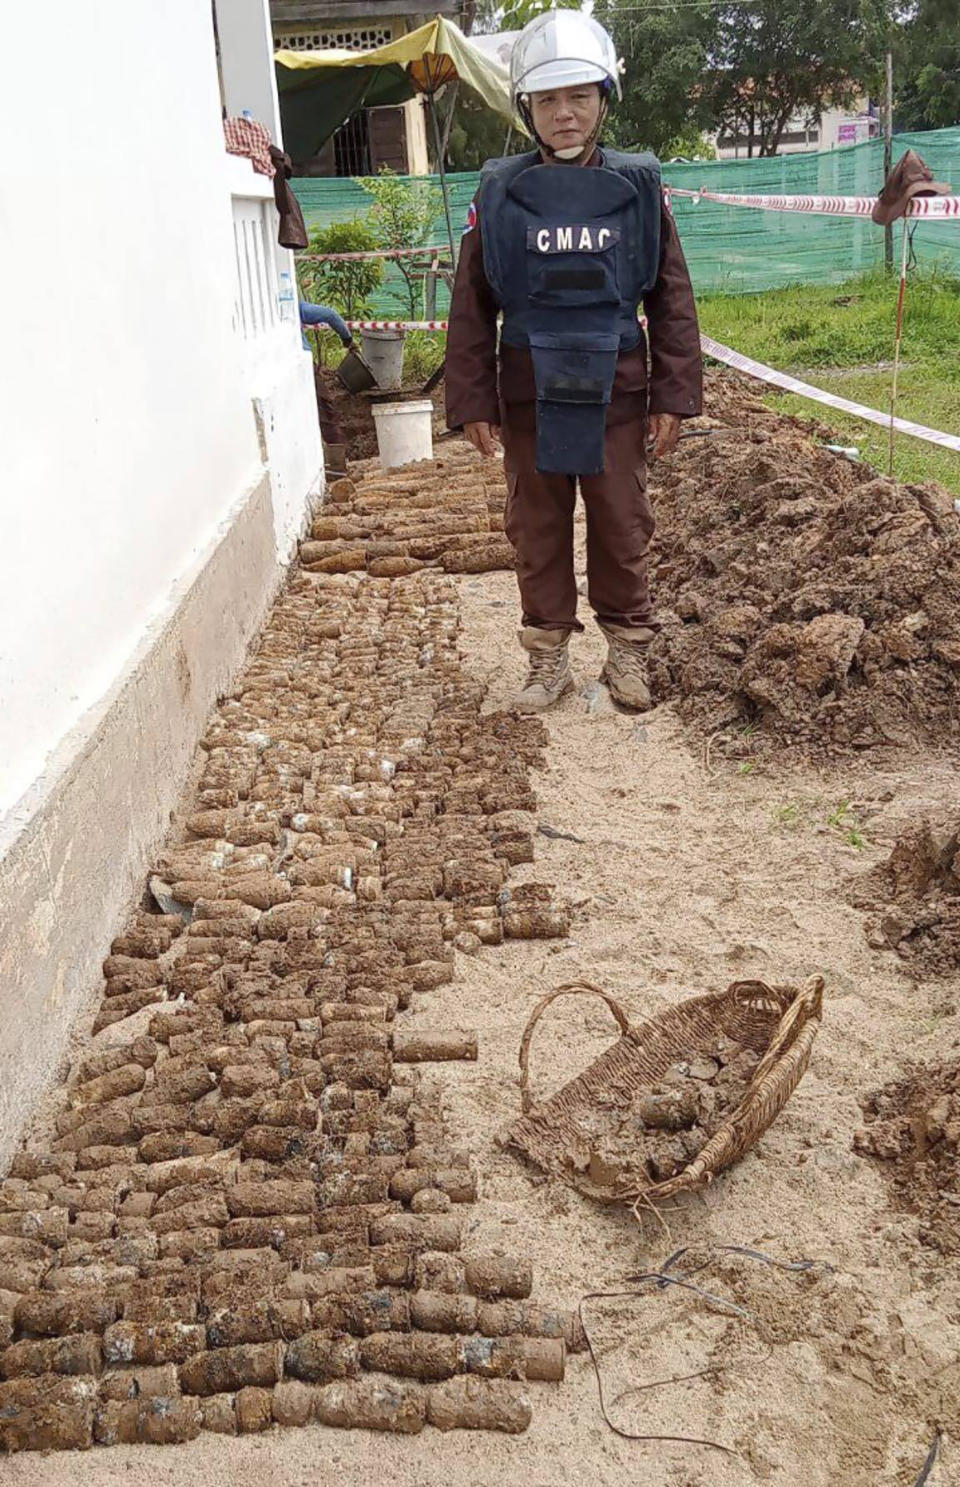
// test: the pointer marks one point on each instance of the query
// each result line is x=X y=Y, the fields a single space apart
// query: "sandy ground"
x=684 y=881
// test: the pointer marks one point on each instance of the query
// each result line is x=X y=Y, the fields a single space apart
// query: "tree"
x=776 y=60
x=404 y=215
x=927 y=66
x=666 y=54
x=345 y=286
x=477 y=134
x=518 y=12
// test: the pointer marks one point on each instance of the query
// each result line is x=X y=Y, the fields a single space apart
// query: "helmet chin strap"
x=576 y=155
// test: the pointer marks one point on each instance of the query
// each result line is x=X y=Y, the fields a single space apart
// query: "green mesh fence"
x=738 y=249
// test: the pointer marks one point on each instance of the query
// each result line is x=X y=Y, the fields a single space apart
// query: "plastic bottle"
x=285 y=296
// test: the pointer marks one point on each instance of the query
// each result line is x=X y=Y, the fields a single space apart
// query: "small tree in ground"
x=404 y=215
x=346 y=287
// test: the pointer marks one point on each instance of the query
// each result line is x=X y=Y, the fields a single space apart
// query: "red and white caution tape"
x=828 y=206
x=793 y=384
x=398 y=324
x=373 y=253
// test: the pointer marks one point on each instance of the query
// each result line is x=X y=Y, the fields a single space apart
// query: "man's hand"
x=664 y=431
x=484 y=436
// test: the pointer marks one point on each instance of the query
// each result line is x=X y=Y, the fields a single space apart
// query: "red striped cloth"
x=247 y=137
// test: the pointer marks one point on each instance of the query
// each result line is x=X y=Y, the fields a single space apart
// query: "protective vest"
x=569 y=252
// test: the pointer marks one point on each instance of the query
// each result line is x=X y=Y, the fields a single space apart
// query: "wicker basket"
x=778 y=1023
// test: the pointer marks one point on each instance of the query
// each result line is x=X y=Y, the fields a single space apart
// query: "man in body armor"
x=566 y=244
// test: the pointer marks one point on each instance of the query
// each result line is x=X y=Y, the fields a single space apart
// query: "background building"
x=371 y=137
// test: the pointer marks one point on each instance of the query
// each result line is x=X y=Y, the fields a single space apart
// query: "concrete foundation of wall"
x=74 y=850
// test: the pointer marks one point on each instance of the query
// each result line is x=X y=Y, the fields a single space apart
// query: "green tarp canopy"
x=320 y=90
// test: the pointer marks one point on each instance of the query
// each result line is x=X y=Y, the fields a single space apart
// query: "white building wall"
x=158 y=455
x=128 y=426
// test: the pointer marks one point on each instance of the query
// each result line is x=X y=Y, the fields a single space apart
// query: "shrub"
x=346 y=287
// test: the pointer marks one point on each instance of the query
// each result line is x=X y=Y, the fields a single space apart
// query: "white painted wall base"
x=74 y=852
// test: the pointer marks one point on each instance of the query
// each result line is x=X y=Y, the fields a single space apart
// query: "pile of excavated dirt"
x=442 y=513
x=913 y=1129
x=802 y=592
x=245 y=1208
x=915 y=897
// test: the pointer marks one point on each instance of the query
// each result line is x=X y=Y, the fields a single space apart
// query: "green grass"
x=835 y=335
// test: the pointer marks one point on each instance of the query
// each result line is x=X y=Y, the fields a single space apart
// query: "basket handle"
x=806 y=1004
x=571 y=988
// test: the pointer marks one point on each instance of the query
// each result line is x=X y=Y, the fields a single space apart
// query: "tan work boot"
x=549 y=675
x=625 y=670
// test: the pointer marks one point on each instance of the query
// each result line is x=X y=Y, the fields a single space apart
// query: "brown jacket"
x=475 y=394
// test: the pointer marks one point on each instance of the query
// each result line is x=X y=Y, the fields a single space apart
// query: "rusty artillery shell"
x=443 y=1311
x=180 y=1170
x=157 y=1420
x=536 y=924
x=32 y=1165
x=274 y=1143
x=440 y=1272
x=293 y=1402
x=254 y=1233
x=50 y=1315
x=141 y=1051
x=353 y=1188
x=411 y=1354
x=364 y=1313
x=366 y=1068
x=317 y=1358
x=333 y=1280
x=143 y=1342
x=156 y=1310
x=372 y=1404
x=459 y=1183
x=92 y=1278
x=224 y=1370
x=467 y=1403
x=48 y=1226
x=265 y=1199
x=492 y=1276
x=343 y=1036
x=50 y=1413
x=427 y=1232
x=126 y=973
x=430 y=1200
x=415 y=1048
x=218 y=1413
x=509 y=1318
x=257 y=1321
x=240 y=1081
x=143 y=943
x=126 y=1080
x=189 y=1244
x=254 y=1410
x=208 y=1212
x=110 y=1127
x=75 y=1354
x=130 y=1383
x=493 y=1357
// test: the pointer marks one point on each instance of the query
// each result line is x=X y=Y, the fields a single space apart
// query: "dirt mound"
x=913 y=1128
x=915 y=897
x=802 y=592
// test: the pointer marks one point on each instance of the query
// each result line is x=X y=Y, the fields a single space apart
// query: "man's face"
x=566 y=117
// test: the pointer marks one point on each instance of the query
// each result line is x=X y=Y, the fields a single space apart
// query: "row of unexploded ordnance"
x=53 y=1412
x=259 y=1167
x=446 y=513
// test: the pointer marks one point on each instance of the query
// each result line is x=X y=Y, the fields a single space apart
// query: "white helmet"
x=561 y=49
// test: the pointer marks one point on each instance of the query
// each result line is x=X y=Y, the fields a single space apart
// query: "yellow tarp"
x=431 y=56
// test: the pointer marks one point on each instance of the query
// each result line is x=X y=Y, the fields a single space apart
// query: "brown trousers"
x=620 y=527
